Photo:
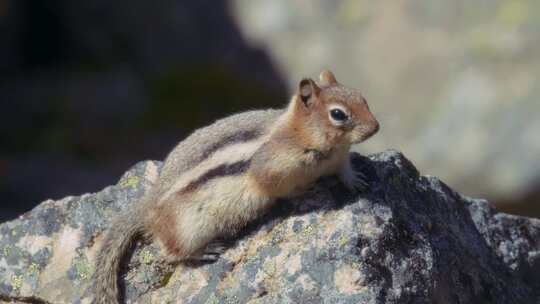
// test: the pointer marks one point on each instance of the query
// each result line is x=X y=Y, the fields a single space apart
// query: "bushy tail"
x=122 y=232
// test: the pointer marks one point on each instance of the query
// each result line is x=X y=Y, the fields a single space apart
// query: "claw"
x=361 y=185
x=215 y=248
x=355 y=181
x=211 y=253
x=360 y=175
x=208 y=257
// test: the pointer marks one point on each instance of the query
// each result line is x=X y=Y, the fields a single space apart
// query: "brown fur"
x=163 y=224
x=225 y=175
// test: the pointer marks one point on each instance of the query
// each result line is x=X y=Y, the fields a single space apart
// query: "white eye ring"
x=338 y=115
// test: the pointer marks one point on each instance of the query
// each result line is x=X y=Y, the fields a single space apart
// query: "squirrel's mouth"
x=364 y=132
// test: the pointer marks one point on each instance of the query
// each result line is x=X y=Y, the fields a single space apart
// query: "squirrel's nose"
x=373 y=127
x=376 y=127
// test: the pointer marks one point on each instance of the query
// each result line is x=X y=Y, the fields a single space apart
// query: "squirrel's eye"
x=338 y=115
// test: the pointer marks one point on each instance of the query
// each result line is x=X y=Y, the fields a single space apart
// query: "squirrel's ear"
x=327 y=78
x=308 y=90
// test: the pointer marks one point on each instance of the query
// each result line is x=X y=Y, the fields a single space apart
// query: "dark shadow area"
x=87 y=89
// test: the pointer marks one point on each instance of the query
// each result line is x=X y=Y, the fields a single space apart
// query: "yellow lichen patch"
x=343 y=240
x=146 y=257
x=82 y=267
x=348 y=280
x=307 y=231
x=33 y=269
x=130 y=181
x=6 y=251
x=16 y=282
x=270 y=268
x=514 y=12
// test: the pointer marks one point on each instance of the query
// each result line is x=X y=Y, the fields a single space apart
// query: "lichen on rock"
x=409 y=239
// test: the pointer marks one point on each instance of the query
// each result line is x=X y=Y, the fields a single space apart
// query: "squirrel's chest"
x=301 y=173
x=328 y=164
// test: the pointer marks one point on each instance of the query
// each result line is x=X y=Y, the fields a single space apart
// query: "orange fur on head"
x=310 y=121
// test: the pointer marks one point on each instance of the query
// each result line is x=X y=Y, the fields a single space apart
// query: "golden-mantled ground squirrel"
x=225 y=175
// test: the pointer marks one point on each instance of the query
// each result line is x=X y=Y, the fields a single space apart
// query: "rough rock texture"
x=410 y=239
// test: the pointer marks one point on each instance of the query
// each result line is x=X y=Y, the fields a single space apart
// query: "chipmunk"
x=225 y=175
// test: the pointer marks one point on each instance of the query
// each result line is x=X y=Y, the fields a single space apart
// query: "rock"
x=409 y=239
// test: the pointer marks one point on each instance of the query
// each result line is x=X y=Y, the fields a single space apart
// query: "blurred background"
x=88 y=89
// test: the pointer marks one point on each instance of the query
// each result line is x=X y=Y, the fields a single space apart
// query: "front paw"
x=355 y=181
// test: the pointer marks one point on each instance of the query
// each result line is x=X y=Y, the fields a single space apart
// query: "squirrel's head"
x=333 y=113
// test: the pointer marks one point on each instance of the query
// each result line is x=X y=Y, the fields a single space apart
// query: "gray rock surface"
x=409 y=239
